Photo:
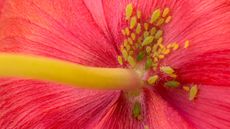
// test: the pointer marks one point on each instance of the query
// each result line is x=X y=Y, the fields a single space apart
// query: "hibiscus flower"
x=178 y=49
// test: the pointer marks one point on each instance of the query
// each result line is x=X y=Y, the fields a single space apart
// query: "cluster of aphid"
x=143 y=44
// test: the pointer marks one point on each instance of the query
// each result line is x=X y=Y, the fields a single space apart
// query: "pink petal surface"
x=63 y=29
x=205 y=63
x=88 y=32
x=29 y=104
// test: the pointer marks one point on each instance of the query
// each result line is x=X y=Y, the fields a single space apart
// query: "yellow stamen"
x=186 y=45
x=155 y=15
x=146 y=26
x=124 y=54
x=133 y=36
x=127 y=31
x=63 y=72
x=193 y=92
x=138 y=14
x=129 y=11
x=147 y=40
x=153 y=79
x=165 y=12
x=148 y=49
x=153 y=31
x=123 y=32
x=146 y=34
x=168 y=19
x=158 y=34
x=186 y=88
x=175 y=46
x=130 y=41
x=160 y=21
x=138 y=29
x=133 y=22
x=119 y=58
x=131 y=61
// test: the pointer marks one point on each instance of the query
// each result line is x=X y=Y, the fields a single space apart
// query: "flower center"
x=143 y=49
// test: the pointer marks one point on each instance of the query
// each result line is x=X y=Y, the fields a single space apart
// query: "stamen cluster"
x=143 y=46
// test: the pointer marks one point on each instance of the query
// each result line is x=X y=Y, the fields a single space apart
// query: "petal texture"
x=210 y=110
x=158 y=114
x=56 y=28
x=28 y=104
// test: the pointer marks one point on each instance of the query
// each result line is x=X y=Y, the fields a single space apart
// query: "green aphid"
x=172 y=84
x=140 y=56
x=148 y=63
x=137 y=110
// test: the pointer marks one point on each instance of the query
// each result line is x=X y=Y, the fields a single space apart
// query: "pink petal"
x=30 y=104
x=211 y=109
x=205 y=24
x=120 y=116
x=158 y=114
x=161 y=115
x=205 y=63
x=57 y=28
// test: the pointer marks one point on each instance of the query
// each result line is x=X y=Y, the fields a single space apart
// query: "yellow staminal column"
x=58 y=71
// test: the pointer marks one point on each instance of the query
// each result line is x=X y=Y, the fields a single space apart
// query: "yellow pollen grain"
x=158 y=34
x=138 y=29
x=160 y=41
x=167 y=51
x=133 y=22
x=146 y=26
x=146 y=127
x=125 y=42
x=127 y=47
x=146 y=34
x=130 y=41
x=186 y=44
x=125 y=54
x=139 y=40
x=122 y=47
x=148 y=49
x=153 y=31
x=193 y=92
x=129 y=11
x=165 y=12
x=154 y=48
x=138 y=14
x=123 y=32
x=119 y=59
x=133 y=36
x=169 y=46
x=127 y=31
x=131 y=53
x=186 y=88
x=131 y=61
x=160 y=21
x=153 y=79
x=161 y=56
x=155 y=15
x=175 y=46
x=168 y=19
x=155 y=59
x=148 y=40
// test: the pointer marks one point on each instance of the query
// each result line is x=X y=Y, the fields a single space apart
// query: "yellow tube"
x=58 y=71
